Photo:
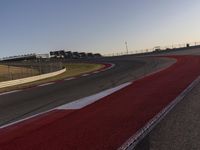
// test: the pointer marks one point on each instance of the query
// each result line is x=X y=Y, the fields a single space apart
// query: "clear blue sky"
x=95 y=25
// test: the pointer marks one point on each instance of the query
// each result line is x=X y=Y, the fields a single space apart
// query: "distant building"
x=60 y=54
x=57 y=54
x=72 y=55
x=44 y=56
x=19 y=57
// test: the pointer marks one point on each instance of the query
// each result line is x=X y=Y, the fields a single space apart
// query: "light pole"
x=126 y=47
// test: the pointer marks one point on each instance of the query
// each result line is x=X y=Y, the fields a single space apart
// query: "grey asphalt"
x=25 y=103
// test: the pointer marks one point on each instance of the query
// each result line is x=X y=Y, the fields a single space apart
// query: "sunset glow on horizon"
x=96 y=25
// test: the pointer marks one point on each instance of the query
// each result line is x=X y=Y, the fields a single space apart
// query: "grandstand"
x=53 y=54
x=72 y=55
x=19 y=57
x=25 y=57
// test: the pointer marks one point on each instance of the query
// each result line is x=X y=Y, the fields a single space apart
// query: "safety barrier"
x=30 y=79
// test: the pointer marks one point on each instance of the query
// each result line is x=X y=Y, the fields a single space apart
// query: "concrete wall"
x=30 y=79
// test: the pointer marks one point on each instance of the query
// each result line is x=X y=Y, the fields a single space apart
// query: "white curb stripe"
x=78 y=104
x=70 y=79
x=112 y=65
x=46 y=84
x=96 y=72
x=84 y=75
x=18 y=121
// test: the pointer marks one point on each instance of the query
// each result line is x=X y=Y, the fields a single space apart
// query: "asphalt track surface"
x=108 y=123
x=18 y=105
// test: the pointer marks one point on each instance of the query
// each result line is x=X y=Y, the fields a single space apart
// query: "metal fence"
x=161 y=48
x=18 y=70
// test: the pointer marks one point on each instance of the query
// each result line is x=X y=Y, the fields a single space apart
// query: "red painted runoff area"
x=109 y=122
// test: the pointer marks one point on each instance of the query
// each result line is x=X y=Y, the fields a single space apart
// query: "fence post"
x=10 y=77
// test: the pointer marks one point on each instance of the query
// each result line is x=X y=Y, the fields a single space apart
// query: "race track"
x=27 y=102
x=109 y=122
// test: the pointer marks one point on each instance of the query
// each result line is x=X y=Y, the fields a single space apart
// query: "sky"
x=103 y=26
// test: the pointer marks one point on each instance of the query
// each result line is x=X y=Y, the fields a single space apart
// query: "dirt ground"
x=11 y=72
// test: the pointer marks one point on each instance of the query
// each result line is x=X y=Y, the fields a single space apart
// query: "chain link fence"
x=18 y=70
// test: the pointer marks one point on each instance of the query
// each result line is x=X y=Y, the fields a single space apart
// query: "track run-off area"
x=109 y=122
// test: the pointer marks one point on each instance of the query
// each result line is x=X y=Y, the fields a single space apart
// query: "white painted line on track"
x=46 y=84
x=78 y=104
x=6 y=93
x=84 y=75
x=70 y=79
x=96 y=72
x=18 y=121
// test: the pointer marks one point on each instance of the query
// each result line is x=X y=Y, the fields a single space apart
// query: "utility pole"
x=126 y=47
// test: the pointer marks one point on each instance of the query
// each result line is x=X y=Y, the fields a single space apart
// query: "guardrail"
x=14 y=70
x=30 y=79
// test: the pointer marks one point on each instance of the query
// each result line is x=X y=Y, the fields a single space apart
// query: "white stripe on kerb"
x=96 y=72
x=78 y=104
x=45 y=84
x=84 y=75
x=70 y=79
x=18 y=121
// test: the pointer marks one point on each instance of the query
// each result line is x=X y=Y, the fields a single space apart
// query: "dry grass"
x=11 y=72
x=5 y=69
x=73 y=69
